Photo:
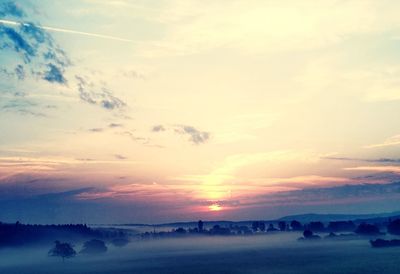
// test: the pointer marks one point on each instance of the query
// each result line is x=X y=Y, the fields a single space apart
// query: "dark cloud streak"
x=379 y=160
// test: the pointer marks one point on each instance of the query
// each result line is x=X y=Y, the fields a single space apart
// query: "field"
x=278 y=253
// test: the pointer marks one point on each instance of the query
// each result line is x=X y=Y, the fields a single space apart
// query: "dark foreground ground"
x=257 y=254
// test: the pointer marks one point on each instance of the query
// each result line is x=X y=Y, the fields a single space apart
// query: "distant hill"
x=303 y=218
x=310 y=217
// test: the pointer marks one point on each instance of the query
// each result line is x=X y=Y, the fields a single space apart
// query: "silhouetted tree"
x=17 y=234
x=309 y=235
x=218 y=230
x=341 y=226
x=180 y=230
x=261 y=226
x=384 y=243
x=254 y=226
x=394 y=227
x=63 y=250
x=367 y=229
x=271 y=228
x=94 y=247
x=200 y=225
x=282 y=225
x=296 y=225
x=316 y=226
x=244 y=230
x=258 y=225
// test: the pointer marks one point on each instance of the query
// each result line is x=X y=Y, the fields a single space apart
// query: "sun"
x=214 y=207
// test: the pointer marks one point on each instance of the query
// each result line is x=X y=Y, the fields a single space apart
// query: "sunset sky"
x=157 y=111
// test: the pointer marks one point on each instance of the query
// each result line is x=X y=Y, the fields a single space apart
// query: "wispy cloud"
x=134 y=137
x=47 y=165
x=120 y=157
x=97 y=94
x=121 y=130
x=158 y=128
x=96 y=129
x=392 y=141
x=334 y=196
x=379 y=160
x=23 y=106
x=115 y=125
x=375 y=168
x=195 y=136
x=263 y=26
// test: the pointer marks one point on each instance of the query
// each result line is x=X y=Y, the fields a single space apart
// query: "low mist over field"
x=258 y=254
x=357 y=246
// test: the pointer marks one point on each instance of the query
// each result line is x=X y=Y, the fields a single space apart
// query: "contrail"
x=15 y=23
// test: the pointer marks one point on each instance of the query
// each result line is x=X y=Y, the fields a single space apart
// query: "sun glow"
x=214 y=207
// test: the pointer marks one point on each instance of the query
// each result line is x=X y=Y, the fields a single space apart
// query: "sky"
x=133 y=111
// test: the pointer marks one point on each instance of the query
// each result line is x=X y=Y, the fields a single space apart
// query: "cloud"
x=10 y=8
x=395 y=169
x=141 y=191
x=21 y=196
x=120 y=157
x=57 y=199
x=357 y=198
x=25 y=107
x=28 y=184
x=380 y=177
x=332 y=194
x=143 y=140
x=18 y=43
x=29 y=49
x=85 y=159
x=379 y=160
x=392 y=141
x=158 y=128
x=19 y=72
x=195 y=136
x=17 y=164
x=54 y=75
x=65 y=194
x=127 y=133
x=264 y=26
x=97 y=129
x=132 y=74
x=41 y=56
x=97 y=94
x=115 y=125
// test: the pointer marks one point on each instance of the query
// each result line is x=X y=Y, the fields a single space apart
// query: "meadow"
x=279 y=253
